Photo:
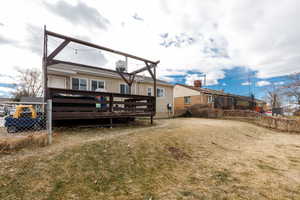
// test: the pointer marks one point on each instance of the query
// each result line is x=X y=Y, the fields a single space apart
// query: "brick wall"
x=180 y=108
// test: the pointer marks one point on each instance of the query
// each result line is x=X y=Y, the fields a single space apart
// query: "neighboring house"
x=82 y=77
x=186 y=96
x=5 y=100
x=32 y=99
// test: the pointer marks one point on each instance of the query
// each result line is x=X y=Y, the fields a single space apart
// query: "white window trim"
x=96 y=80
x=151 y=91
x=212 y=99
x=87 y=83
x=164 y=92
x=190 y=100
x=125 y=86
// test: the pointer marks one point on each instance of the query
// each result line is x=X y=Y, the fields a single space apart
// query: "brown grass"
x=9 y=144
x=186 y=159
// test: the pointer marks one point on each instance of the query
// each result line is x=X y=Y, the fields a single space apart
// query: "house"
x=67 y=75
x=186 y=96
x=32 y=99
x=4 y=100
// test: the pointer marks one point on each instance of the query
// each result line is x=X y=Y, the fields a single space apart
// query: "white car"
x=12 y=111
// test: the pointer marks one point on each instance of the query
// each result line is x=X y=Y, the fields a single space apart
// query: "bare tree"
x=274 y=96
x=292 y=88
x=28 y=83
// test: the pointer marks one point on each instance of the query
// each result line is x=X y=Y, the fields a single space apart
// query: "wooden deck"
x=75 y=104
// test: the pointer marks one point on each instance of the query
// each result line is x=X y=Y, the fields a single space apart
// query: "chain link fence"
x=25 y=121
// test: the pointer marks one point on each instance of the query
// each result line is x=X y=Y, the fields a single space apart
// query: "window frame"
x=97 y=80
x=185 y=102
x=126 y=85
x=164 y=92
x=86 y=79
x=210 y=99
x=150 y=91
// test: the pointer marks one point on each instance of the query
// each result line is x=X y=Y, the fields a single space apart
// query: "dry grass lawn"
x=185 y=158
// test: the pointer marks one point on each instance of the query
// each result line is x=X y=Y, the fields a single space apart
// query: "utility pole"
x=249 y=83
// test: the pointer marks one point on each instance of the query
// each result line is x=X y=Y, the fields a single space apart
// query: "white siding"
x=181 y=91
x=56 y=81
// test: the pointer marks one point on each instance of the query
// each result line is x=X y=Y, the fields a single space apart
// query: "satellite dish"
x=121 y=66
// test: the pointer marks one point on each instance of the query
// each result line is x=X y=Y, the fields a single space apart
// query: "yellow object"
x=242 y=103
x=20 y=109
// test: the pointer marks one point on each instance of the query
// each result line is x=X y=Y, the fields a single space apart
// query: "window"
x=149 y=91
x=124 y=89
x=187 y=100
x=96 y=84
x=160 y=92
x=79 y=84
x=210 y=99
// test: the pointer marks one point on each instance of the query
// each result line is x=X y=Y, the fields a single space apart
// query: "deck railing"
x=78 y=104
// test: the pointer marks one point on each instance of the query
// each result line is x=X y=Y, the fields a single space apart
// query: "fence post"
x=49 y=120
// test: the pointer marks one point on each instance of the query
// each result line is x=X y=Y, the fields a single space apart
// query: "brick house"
x=186 y=96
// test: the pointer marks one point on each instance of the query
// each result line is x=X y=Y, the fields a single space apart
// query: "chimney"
x=197 y=83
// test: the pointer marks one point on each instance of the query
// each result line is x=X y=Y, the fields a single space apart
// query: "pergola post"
x=155 y=91
x=44 y=63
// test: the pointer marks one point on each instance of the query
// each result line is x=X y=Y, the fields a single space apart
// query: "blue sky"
x=238 y=80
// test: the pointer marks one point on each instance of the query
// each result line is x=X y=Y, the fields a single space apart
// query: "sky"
x=242 y=46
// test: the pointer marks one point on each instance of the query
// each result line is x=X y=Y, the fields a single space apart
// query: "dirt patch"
x=178 y=154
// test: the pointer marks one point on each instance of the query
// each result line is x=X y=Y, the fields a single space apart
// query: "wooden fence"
x=278 y=123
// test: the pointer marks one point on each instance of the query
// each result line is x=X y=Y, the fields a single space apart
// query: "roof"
x=218 y=92
x=32 y=99
x=205 y=90
x=4 y=99
x=74 y=68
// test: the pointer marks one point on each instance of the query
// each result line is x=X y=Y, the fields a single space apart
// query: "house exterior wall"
x=113 y=85
x=161 y=102
x=180 y=91
x=196 y=97
x=57 y=81
x=180 y=106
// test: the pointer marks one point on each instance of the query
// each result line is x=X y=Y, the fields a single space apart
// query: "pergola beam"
x=127 y=77
x=145 y=68
x=97 y=46
x=58 y=49
x=150 y=71
x=124 y=78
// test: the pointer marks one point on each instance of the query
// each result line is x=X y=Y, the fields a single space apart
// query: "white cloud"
x=262 y=35
x=279 y=83
x=6 y=89
x=2 y=94
x=167 y=78
x=190 y=78
x=6 y=79
x=246 y=83
x=263 y=83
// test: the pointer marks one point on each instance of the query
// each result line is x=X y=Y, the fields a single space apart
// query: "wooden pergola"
x=128 y=77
